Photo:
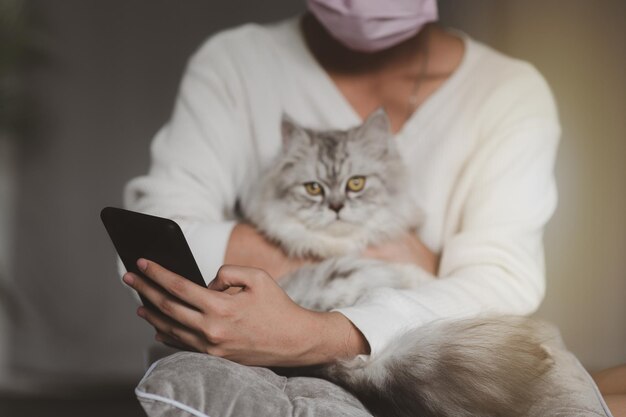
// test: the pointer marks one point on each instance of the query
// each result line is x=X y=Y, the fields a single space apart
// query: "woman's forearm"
x=337 y=338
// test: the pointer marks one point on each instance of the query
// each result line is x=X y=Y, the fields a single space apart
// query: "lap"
x=203 y=385
x=612 y=381
x=612 y=385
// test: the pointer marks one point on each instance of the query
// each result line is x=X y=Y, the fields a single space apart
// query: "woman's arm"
x=259 y=325
x=248 y=247
x=408 y=249
x=200 y=158
x=492 y=261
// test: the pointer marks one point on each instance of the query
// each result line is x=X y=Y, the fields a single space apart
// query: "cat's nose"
x=335 y=207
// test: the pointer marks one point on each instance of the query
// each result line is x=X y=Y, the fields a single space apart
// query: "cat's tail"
x=470 y=367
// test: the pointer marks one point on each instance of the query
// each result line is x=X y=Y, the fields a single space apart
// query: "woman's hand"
x=258 y=325
x=409 y=249
x=248 y=247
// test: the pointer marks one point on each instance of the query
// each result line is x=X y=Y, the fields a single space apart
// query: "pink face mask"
x=373 y=25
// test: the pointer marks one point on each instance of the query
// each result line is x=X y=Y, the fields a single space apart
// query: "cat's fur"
x=486 y=366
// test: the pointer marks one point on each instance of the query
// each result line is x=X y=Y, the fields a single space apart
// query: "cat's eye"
x=356 y=184
x=313 y=188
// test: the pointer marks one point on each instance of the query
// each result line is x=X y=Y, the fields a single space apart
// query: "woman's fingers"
x=168 y=341
x=166 y=303
x=229 y=276
x=174 y=332
x=178 y=286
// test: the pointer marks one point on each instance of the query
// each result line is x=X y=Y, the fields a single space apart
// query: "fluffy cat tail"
x=461 y=368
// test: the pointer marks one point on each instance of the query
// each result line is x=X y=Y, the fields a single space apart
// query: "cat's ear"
x=291 y=131
x=377 y=123
x=374 y=135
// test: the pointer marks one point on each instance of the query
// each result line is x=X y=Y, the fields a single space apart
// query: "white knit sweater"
x=480 y=153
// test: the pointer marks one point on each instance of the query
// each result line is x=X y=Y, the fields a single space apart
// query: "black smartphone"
x=137 y=235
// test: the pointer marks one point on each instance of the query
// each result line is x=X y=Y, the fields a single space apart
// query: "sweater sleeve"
x=198 y=157
x=493 y=262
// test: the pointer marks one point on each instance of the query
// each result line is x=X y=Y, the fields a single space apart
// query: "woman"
x=479 y=131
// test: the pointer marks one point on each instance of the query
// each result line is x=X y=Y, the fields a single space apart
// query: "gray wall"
x=109 y=83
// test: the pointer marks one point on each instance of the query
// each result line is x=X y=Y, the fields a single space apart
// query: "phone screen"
x=137 y=235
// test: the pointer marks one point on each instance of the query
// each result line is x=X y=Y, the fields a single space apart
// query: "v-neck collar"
x=346 y=107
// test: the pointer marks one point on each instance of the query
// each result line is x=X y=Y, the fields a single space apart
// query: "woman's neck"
x=387 y=78
x=337 y=58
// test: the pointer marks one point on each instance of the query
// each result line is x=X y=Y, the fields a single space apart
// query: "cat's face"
x=338 y=181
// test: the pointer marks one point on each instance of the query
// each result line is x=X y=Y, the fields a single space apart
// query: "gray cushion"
x=200 y=385
x=569 y=391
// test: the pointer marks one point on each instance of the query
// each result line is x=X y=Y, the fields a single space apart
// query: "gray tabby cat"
x=331 y=194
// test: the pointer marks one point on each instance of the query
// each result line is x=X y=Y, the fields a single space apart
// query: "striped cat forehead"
x=374 y=128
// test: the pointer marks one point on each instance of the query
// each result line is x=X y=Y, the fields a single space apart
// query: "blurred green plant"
x=14 y=46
